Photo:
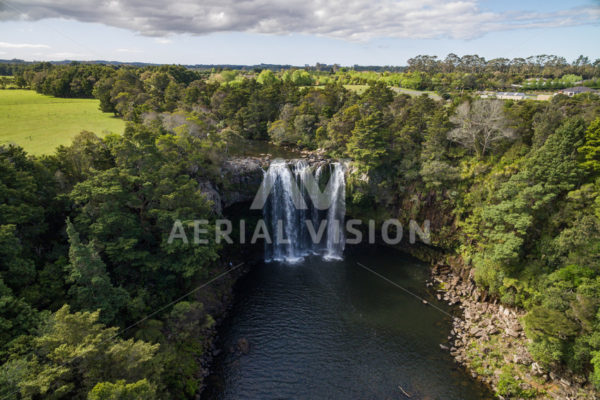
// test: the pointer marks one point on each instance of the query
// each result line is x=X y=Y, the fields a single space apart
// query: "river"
x=334 y=330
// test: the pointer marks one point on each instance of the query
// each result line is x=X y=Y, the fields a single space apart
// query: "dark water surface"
x=333 y=330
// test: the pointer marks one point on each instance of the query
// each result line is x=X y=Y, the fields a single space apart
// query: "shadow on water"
x=329 y=330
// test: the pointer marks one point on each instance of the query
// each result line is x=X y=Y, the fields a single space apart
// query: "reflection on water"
x=332 y=330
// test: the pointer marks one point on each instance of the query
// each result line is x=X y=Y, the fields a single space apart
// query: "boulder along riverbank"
x=488 y=339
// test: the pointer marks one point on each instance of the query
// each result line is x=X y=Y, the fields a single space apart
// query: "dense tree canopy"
x=89 y=227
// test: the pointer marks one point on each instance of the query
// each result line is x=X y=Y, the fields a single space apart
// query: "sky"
x=297 y=32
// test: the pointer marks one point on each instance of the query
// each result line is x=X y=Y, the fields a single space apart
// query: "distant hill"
x=273 y=67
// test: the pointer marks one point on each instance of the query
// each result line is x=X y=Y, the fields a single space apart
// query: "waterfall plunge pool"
x=333 y=330
x=324 y=327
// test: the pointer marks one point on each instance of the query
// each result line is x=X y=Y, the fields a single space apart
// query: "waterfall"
x=335 y=214
x=315 y=214
x=282 y=213
x=290 y=210
x=302 y=172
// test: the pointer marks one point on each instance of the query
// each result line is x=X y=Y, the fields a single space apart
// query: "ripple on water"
x=329 y=330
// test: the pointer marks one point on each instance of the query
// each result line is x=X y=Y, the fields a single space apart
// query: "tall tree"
x=591 y=148
x=92 y=289
x=370 y=135
x=480 y=125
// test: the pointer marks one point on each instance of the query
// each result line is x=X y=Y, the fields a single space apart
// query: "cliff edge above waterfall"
x=241 y=177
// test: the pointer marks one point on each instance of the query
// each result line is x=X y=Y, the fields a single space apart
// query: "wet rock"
x=243 y=345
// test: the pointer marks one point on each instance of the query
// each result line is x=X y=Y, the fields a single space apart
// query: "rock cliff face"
x=240 y=179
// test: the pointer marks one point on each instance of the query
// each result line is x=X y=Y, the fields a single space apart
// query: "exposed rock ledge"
x=489 y=337
x=240 y=179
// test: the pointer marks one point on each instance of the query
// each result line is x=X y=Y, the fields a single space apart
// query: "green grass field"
x=413 y=93
x=41 y=123
x=360 y=89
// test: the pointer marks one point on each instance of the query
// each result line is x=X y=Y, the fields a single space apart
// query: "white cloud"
x=66 y=55
x=344 y=19
x=162 y=40
x=128 y=50
x=6 y=45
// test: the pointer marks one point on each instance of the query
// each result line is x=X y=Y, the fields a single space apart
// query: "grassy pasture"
x=41 y=123
x=413 y=93
x=360 y=89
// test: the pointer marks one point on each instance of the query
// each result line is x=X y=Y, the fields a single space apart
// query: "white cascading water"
x=288 y=224
x=316 y=214
x=301 y=170
x=280 y=211
x=336 y=214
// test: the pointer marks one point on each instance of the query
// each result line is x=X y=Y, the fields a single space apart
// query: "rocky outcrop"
x=241 y=179
x=211 y=194
x=488 y=339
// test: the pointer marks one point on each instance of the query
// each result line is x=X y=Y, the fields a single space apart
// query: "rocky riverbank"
x=218 y=302
x=488 y=339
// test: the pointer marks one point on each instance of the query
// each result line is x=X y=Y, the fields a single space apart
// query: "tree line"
x=448 y=75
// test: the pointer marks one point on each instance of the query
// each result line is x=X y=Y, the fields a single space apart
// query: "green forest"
x=512 y=187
